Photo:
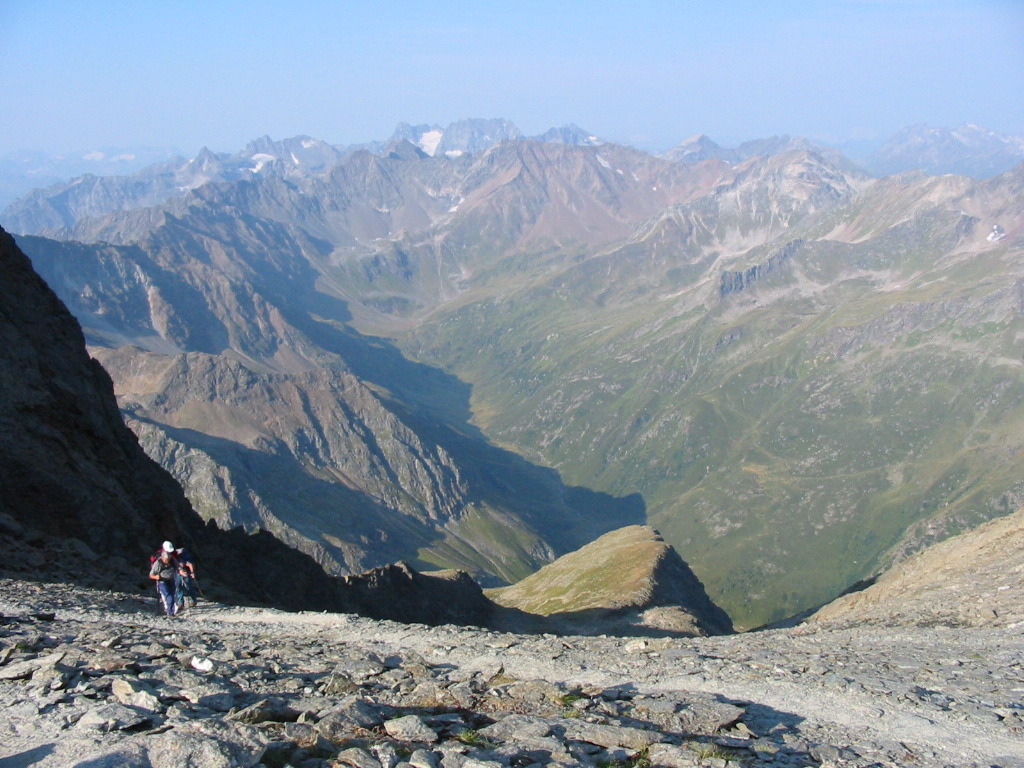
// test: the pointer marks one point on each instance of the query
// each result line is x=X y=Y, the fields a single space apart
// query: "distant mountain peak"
x=472 y=135
x=570 y=134
x=967 y=150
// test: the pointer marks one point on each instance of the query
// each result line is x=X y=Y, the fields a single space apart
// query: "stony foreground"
x=95 y=679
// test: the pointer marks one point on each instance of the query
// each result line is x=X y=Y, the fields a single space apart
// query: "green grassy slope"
x=860 y=394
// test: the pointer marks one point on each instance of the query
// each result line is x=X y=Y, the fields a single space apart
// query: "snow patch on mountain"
x=428 y=141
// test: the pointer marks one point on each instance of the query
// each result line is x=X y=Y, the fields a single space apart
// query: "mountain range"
x=82 y=503
x=486 y=358
x=967 y=149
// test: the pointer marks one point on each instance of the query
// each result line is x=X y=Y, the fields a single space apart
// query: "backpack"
x=156 y=556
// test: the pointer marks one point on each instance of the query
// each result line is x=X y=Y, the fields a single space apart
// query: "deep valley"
x=796 y=372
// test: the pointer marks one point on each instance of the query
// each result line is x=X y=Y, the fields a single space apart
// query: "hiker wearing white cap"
x=164 y=571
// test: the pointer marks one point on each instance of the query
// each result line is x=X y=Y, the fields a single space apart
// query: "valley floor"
x=859 y=696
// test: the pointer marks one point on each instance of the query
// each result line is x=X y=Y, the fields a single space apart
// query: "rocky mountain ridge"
x=23 y=171
x=52 y=208
x=56 y=208
x=698 y=148
x=968 y=149
x=629 y=578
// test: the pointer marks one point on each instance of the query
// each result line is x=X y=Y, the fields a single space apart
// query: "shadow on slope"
x=81 y=502
x=432 y=403
x=436 y=405
x=331 y=522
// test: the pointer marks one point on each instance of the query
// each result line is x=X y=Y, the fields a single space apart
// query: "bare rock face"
x=975 y=579
x=627 y=578
x=68 y=465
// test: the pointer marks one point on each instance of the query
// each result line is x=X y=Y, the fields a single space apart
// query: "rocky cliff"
x=69 y=467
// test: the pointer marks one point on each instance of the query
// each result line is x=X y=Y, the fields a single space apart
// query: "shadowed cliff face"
x=68 y=464
x=71 y=469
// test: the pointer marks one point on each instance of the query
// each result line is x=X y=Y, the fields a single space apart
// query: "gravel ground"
x=903 y=695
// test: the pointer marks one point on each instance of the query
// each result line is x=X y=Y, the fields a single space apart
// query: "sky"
x=89 y=74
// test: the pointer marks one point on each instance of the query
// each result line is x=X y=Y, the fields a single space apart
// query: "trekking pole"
x=199 y=589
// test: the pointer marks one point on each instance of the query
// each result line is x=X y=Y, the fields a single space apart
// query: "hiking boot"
x=193 y=601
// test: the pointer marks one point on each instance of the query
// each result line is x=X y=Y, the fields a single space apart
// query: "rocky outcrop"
x=401 y=593
x=734 y=281
x=629 y=578
x=69 y=466
x=975 y=579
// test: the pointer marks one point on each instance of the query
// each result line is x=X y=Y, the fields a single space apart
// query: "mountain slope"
x=629 y=577
x=975 y=579
x=791 y=393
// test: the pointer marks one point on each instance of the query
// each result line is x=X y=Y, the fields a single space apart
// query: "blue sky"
x=86 y=74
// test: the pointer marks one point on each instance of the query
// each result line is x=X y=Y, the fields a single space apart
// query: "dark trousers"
x=186 y=587
x=166 y=591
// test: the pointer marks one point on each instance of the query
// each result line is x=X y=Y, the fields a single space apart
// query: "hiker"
x=164 y=571
x=186 y=581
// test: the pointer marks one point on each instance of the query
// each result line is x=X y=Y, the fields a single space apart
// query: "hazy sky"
x=85 y=74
